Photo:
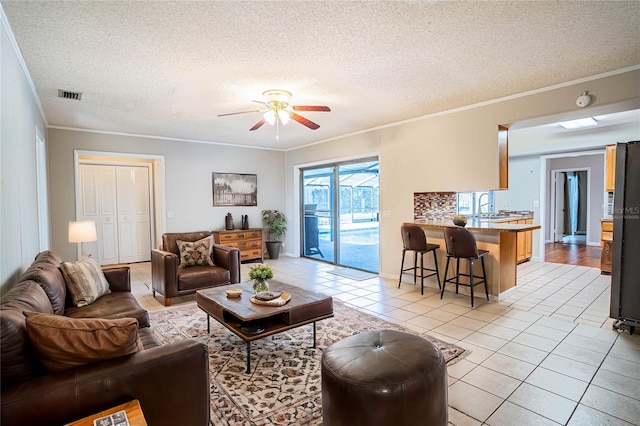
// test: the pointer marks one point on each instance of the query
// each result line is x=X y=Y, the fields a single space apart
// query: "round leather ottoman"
x=384 y=377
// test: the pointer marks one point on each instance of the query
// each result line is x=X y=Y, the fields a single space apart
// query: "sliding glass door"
x=340 y=214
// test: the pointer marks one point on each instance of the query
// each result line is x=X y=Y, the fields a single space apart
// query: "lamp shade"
x=82 y=231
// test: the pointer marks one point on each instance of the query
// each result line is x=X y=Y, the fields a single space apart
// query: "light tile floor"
x=547 y=355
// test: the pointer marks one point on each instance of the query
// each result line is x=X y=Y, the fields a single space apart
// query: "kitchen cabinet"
x=503 y=157
x=248 y=241
x=524 y=241
x=606 y=242
x=610 y=168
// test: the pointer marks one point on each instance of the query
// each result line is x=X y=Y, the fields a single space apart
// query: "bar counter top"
x=507 y=243
x=480 y=224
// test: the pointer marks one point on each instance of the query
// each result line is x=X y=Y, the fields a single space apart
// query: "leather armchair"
x=171 y=281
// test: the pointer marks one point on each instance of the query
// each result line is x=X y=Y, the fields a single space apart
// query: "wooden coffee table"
x=251 y=322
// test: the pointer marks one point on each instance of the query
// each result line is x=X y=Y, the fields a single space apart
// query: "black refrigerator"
x=625 y=273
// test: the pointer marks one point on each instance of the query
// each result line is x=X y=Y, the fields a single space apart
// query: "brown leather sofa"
x=168 y=279
x=170 y=381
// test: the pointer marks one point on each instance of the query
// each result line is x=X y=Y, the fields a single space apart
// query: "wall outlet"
x=507 y=203
x=170 y=215
x=536 y=203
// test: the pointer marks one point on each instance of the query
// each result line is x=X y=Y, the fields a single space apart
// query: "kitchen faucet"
x=480 y=205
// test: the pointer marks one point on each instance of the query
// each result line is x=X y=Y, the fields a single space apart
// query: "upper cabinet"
x=503 y=157
x=610 y=168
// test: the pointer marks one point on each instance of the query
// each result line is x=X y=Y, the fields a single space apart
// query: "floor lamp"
x=82 y=231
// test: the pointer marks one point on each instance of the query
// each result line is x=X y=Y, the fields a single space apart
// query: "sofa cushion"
x=196 y=253
x=19 y=361
x=85 y=280
x=169 y=240
x=49 y=277
x=197 y=277
x=117 y=304
x=62 y=343
x=48 y=257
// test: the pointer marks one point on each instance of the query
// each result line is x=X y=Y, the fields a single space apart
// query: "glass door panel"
x=318 y=211
x=359 y=236
x=341 y=220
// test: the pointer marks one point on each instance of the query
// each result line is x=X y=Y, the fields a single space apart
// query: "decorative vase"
x=260 y=285
x=460 y=220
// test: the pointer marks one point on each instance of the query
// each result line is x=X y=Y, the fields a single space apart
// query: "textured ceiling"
x=168 y=69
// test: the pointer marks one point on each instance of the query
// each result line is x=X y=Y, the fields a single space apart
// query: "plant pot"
x=273 y=248
x=259 y=286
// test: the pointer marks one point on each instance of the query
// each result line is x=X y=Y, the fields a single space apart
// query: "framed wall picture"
x=235 y=189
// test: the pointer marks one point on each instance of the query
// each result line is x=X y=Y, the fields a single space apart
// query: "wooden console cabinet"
x=249 y=241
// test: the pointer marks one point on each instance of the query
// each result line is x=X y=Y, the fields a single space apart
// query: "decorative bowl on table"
x=234 y=292
x=460 y=220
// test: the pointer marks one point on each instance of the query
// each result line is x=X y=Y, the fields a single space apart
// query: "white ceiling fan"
x=279 y=111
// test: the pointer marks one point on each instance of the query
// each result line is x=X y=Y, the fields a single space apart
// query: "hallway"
x=572 y=254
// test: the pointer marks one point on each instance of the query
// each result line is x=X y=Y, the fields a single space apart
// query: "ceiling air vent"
x=69 y=95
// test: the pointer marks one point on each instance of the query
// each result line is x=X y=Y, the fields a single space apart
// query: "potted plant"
x=275 y=225
x=260 y=274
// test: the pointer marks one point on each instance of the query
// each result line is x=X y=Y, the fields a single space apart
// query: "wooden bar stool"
x=414 y=239
x=461 y=244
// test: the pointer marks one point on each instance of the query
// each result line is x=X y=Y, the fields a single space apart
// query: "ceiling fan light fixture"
x=270 y=117
x=279 y=96
x=284 y=116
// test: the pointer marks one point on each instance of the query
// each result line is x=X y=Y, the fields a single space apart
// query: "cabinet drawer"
x=250 y=254
x=252 y=234
x=230 y=244
x=251 y=244
x=607 y=225
x=226 y=238
x=606 y=236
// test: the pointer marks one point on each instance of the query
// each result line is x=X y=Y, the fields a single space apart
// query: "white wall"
x=523 y=192
x=188 y=169
x=19 y=117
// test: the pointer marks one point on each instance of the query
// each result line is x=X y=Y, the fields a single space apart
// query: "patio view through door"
x=340 y=214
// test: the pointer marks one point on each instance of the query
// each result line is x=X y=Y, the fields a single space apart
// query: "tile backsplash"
x=434 y=205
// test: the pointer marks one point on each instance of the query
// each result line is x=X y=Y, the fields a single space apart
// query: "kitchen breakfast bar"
x=502 y=238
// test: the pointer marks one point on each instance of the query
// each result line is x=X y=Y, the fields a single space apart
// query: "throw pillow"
x=195 y=253
x=61 y=342
x=85 y=280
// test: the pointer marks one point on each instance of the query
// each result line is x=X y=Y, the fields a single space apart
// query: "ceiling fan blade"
x=311 y=108
x=300 y=119
x=257 y=125
x=235 y=113
x=259 y=102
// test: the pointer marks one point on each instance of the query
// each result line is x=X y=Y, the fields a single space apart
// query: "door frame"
x=156 y=163
x=553 y=208
x=294 y=249
x=545 y=192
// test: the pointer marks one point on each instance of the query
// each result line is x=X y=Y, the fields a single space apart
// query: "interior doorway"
x=571 y=199
x=574 y=186
x=123 y=194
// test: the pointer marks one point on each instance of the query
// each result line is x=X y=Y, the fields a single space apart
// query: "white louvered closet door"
x=117 y=198
x=133 y=214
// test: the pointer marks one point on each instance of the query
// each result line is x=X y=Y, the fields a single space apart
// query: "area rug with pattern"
x=284 y=386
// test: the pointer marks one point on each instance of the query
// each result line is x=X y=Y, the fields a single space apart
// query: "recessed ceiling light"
x=579 y=123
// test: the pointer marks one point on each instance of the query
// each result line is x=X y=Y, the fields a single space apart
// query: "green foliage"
x=275 y=223
x=261 y=272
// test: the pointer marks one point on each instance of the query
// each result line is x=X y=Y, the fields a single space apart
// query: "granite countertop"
x=481 y=224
